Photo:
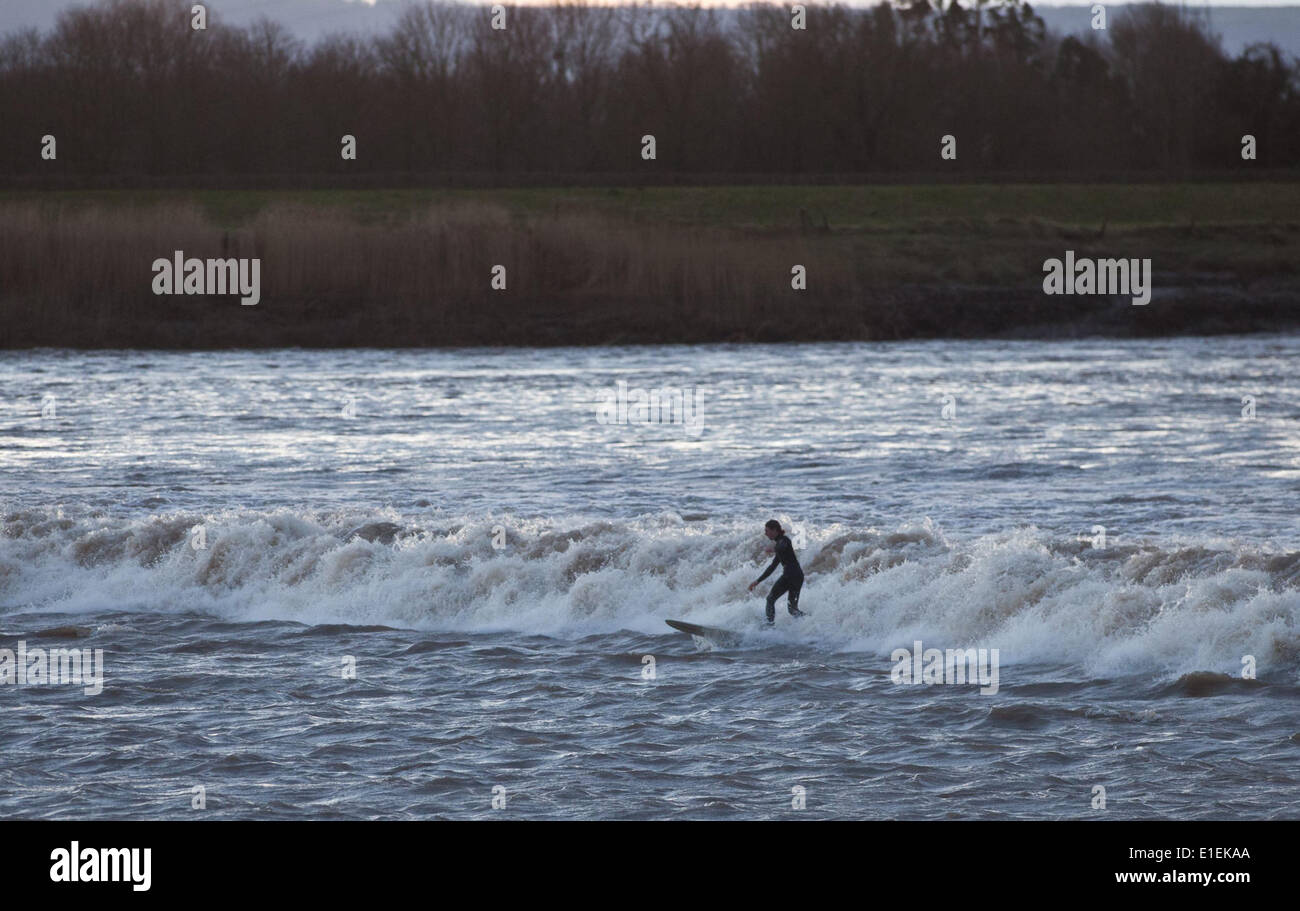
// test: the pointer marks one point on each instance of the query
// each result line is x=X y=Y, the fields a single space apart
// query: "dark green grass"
x=660 y=264
x=969 y=207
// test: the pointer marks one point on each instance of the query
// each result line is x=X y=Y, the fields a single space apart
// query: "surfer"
x=791 y=572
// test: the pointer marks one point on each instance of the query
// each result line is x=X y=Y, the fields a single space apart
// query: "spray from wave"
x=1137 y=608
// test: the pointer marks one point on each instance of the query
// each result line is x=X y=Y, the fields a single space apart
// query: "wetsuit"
x=791 y=577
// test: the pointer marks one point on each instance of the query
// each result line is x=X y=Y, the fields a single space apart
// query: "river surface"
x=433 y=584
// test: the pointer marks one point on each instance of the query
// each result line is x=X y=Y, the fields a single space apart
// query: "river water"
x=419 y=584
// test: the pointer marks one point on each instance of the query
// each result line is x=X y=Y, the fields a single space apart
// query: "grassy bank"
x=592 y=266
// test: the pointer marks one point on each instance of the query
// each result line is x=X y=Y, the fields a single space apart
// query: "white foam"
x=1143 y=609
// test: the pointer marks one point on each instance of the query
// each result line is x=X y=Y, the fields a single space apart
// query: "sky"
x=1240 y=22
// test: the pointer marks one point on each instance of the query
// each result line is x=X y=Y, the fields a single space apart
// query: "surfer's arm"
x=767 y=572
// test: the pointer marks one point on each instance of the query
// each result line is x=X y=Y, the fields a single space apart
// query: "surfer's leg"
x=794 y=598
x=777 y=591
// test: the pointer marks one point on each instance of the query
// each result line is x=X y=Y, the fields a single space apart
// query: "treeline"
x=129 y=89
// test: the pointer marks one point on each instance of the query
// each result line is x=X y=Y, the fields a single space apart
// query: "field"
x=653 y=264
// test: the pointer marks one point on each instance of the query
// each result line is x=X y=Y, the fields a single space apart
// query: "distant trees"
x=1168 y=67
x=131 y=91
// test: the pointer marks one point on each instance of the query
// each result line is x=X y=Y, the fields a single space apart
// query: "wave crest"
x=1138 y=608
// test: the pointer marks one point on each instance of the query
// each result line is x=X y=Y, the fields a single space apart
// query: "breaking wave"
x=1175 y=609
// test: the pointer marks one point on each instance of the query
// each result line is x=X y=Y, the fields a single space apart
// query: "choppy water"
x=231 y=528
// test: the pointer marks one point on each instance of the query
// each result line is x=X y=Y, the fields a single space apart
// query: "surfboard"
x=711 y=633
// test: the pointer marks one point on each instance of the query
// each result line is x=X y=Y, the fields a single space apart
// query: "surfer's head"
x=772 y=529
